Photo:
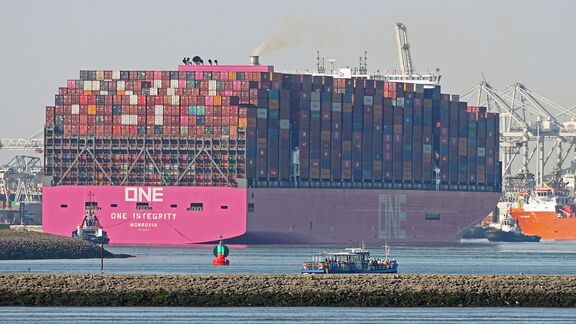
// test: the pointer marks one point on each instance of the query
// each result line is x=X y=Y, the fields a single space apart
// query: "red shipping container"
x=83 y=129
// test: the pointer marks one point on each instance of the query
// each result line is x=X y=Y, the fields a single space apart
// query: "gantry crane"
x=531 y=125
x=32 y=143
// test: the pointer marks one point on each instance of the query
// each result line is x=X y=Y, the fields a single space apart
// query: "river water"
x=283 y=315
x=467 y=257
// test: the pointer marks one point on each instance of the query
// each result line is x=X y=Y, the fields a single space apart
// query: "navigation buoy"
x=220 y=253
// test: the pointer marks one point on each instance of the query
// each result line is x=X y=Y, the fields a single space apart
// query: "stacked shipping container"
x=211 y=127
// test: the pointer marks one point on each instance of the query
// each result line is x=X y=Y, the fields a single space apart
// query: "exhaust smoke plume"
x=294 y=31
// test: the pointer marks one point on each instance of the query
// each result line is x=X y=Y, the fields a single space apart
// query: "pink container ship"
x=254 y=156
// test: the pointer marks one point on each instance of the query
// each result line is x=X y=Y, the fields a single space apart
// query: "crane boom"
x=22 y=144
x=34 y=142
x=404 y=50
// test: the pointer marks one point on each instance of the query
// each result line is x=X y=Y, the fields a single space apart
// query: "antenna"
x=363 y=68
x=319 y=66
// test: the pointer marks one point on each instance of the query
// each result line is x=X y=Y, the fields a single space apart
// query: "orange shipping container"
x=91 y=109
x=243 y=122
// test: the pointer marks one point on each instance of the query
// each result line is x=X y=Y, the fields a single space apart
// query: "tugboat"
x=509 y=231
x=90 y=229
x=351 y=260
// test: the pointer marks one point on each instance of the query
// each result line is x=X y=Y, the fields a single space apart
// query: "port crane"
x=34 y=142
x=407 y=70
x=20 y=178
x=404 y=50
x=533 y=127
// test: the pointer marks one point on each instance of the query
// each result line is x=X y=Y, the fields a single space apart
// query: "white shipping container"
x=87 y=85
x=175 y=100
x=103 y=93
x=153 y=91
x=159 y=110
x=159 y=120
x=128 y=92
x=133 y=100
x=121 y=85
x=183 y=130
x=133 y=119
x=95 y=85
x=75 y=109
x=173 y=83
x=212 y=93
x=115 y=75
x=157 y=83
x=211 y=85
x=124 y=119
x=170 y=91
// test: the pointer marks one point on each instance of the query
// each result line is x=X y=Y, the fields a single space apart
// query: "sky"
x=45 y=43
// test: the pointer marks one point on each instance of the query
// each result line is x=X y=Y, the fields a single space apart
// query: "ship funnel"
x=254 y=60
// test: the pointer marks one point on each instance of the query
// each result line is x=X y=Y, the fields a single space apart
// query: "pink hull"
x=369 y=215
x=269 y=215
x=167 y=220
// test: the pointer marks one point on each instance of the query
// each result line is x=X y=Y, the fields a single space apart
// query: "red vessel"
x=548 y=212
x=246 y=154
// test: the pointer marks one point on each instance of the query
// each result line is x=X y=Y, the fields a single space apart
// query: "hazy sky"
x=44 y=43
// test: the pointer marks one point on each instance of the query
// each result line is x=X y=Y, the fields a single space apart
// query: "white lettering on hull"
x=154 y=216
x=143 y=225
x=391 y=216
x=139 y=194
x=144 y=216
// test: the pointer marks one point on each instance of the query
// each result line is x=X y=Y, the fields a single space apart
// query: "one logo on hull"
x=139 y=194
x=391 y=216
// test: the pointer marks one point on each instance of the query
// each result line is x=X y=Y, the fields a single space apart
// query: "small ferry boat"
x=351 y=260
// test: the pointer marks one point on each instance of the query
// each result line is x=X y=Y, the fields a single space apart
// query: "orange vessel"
x=547 y=212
